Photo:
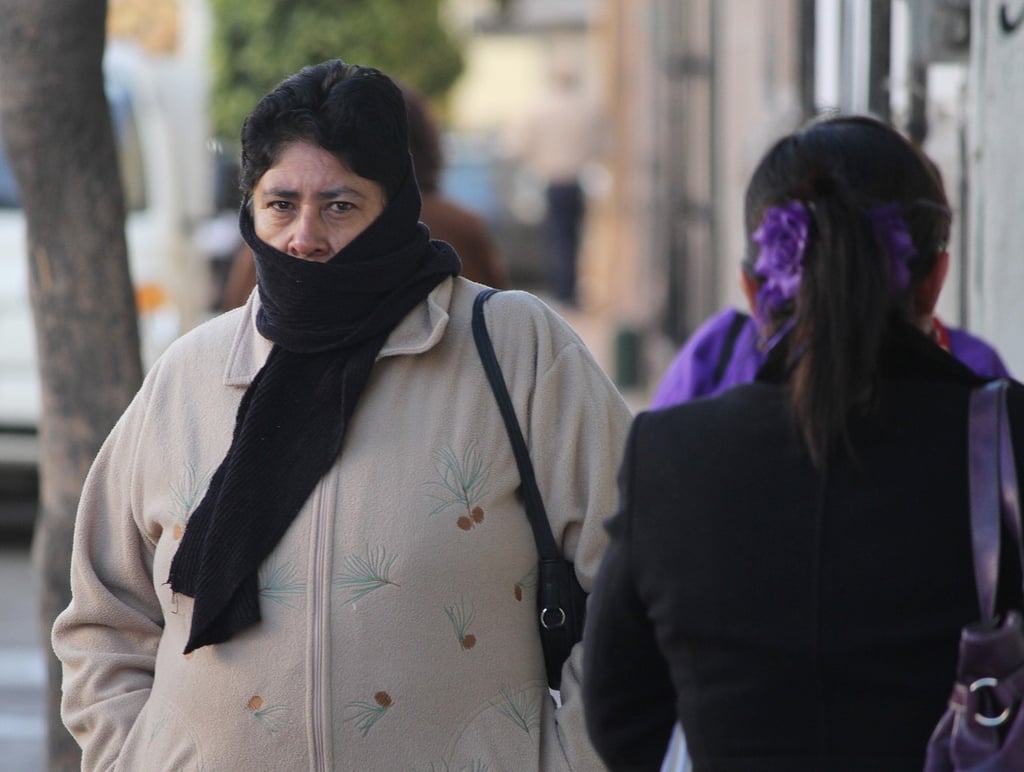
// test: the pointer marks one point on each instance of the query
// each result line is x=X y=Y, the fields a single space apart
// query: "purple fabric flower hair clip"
x=894 y=238
x=782 y=237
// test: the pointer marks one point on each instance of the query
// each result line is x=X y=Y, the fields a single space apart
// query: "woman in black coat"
x=791 y=564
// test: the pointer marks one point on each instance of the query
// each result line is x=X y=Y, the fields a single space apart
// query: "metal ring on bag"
x=559 y=623
x=982 y=683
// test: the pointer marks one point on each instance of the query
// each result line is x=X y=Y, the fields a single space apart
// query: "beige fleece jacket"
x=399 y=629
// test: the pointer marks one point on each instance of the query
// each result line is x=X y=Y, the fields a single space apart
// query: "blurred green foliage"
x=257 y=43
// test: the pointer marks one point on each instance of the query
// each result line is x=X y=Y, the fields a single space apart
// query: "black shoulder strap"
x=546 y=546
x=739 y=321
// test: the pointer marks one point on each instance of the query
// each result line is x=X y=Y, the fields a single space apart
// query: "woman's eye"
x=280 y=206
x=342 y=206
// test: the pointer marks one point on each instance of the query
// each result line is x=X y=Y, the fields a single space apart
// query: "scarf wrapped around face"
x=328 y=322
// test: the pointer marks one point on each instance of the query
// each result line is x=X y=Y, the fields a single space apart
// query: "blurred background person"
x=791 y=565
x=448 y=221
x=563 y=133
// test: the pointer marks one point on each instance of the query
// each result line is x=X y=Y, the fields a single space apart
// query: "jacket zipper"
x=317 y=669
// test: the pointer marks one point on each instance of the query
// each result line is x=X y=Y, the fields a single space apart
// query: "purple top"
x=706 y=365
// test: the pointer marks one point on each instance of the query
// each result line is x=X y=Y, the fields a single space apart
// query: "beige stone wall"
x=700 y=136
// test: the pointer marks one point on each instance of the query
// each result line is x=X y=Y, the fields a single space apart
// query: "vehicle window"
x=129 y=147
x=129 y=151
x=8 y=189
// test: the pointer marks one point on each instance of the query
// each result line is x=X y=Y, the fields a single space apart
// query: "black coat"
x=791 y=619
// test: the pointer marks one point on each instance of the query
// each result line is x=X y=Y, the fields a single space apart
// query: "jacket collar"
x=907 y=353
x=419 y=331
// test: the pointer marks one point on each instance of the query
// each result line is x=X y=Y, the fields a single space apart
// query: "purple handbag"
x=983 y=727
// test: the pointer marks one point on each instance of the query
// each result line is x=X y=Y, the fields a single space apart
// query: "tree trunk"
x=59 y=137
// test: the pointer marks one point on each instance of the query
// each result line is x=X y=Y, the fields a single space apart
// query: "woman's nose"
x=309 y=236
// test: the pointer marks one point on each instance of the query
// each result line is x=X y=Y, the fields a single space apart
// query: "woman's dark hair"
x=840 y=169
x=424 y=141
x=356 y=113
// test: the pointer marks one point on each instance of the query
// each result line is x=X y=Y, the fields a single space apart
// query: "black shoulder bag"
x=561 y=601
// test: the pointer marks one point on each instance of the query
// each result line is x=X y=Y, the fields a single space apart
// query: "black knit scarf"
x=328 y=322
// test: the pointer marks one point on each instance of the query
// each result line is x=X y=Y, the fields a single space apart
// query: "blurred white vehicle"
x=156 y=232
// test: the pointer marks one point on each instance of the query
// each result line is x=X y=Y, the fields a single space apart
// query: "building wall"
x=760 y=101
x=996 y=200
x=699 y=88
x=623 y=257
x=502 y=72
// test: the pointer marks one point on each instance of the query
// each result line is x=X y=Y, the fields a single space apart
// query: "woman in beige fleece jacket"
x=303 y=545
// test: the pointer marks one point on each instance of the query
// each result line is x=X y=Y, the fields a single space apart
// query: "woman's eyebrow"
x=291 y=193
x=344 y=190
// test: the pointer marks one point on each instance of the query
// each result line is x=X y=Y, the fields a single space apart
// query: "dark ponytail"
x=842 y=171
x=839 y=323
